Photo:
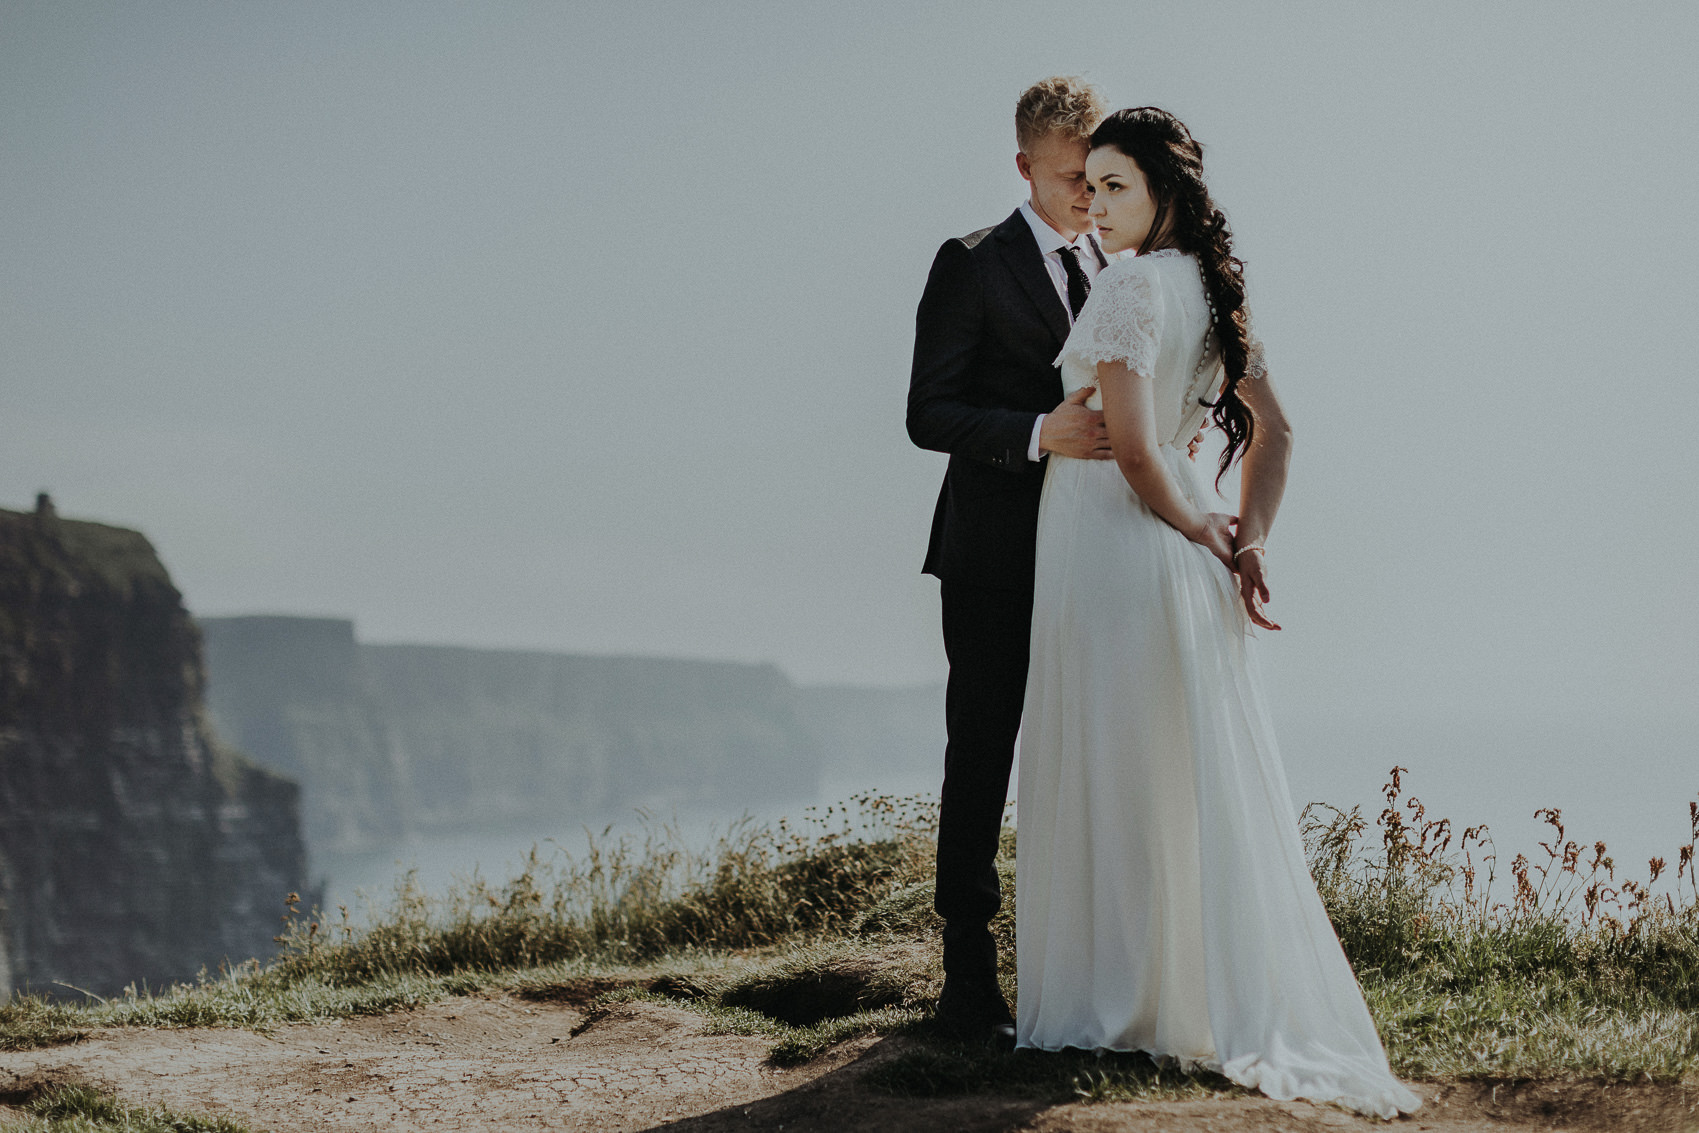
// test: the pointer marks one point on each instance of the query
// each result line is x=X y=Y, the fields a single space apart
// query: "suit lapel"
x=1026 y=264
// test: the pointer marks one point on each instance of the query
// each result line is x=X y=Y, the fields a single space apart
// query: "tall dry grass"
x=1415 y=895
x=634 y=899
x=1558 y=964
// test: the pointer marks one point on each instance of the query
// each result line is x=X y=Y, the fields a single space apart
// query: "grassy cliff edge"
x=1555 y=967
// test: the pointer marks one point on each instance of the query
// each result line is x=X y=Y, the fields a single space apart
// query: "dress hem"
x=1385 y=1105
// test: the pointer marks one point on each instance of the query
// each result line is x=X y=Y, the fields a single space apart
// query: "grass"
x=79 y=1109
x=634 y=901
x=249 y=996
x=1575 y=970
x=814 y=934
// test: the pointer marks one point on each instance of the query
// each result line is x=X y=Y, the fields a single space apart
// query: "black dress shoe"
x=979 y=1029
x=979 y=1015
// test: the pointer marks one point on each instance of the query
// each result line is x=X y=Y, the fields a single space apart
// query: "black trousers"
x=987 y=633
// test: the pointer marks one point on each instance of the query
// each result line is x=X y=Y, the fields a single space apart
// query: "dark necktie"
x=1078 y=285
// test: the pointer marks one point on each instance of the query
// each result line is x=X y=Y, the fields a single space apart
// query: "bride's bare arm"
x=1262 y=482
x=1262 y=470
x=1128 y=414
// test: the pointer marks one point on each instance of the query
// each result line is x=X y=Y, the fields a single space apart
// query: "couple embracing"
x=1095 y=604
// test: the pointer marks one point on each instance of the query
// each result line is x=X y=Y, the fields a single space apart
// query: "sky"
x=586 y=327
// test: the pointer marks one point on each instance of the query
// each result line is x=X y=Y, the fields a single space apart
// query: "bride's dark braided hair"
x=1187 y=219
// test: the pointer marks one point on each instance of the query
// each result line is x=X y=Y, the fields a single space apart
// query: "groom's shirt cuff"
x=1032 y=452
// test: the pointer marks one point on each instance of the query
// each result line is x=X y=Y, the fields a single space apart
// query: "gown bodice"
x=1150 y=312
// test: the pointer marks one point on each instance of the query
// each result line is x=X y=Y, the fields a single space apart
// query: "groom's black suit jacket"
x=989 y=327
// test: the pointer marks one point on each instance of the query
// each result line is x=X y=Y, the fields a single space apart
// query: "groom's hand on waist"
x=1071 y=429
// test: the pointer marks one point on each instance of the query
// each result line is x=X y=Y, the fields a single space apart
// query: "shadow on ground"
x=841 y=1100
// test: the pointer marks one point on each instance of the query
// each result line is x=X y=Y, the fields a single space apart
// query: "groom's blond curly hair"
x=1064 y=104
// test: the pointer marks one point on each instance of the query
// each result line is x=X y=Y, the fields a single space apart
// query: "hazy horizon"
x=586 y=329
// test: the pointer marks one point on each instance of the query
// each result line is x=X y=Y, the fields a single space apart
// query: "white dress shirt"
x=1051 y=243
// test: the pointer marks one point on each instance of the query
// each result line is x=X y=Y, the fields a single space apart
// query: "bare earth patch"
x=501 y=1063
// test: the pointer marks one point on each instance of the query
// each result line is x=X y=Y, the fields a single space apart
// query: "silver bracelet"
x=1252 y=547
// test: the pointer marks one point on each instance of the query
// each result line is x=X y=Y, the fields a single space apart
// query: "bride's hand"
x=1253 y=586
x=1217 y=535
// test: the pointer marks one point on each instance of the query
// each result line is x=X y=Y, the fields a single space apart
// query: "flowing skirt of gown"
x=1163 y=903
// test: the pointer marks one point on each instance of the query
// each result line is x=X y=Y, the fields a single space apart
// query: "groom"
x=997 y=307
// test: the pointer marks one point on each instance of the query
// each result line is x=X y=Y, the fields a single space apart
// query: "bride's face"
x=1121 y=203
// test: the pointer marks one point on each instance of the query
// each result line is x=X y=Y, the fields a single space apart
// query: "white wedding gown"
x=1162 y=899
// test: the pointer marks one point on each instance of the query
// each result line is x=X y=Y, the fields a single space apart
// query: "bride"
x=1163 y=903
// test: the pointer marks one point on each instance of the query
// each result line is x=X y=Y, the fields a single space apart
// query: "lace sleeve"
x=1119 y=322
x=1256 y=366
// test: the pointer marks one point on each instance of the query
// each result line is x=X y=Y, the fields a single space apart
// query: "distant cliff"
x=390 y=740
x=133 y=845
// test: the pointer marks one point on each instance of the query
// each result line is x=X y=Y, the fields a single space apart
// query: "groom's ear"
x=1022 y=164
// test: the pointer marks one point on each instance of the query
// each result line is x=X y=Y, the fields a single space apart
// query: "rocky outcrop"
x=133 y=845
x=391 y=740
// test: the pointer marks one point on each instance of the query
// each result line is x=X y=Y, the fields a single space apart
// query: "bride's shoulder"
x=1123 y=264
x=1123 y=271
x=1151 y=263
x=1129 y=278
x=1126 y=268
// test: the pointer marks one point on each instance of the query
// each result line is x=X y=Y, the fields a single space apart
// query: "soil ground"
x=502 y=1063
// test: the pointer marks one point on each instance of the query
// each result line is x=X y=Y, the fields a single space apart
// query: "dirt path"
x=505 y=1064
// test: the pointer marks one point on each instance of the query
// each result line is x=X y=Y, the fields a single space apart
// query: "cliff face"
x=293 y=694
x=133 y=846
x=403 y=739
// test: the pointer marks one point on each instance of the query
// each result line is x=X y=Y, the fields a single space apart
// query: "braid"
x=1186 y=218
x=1224 y=280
